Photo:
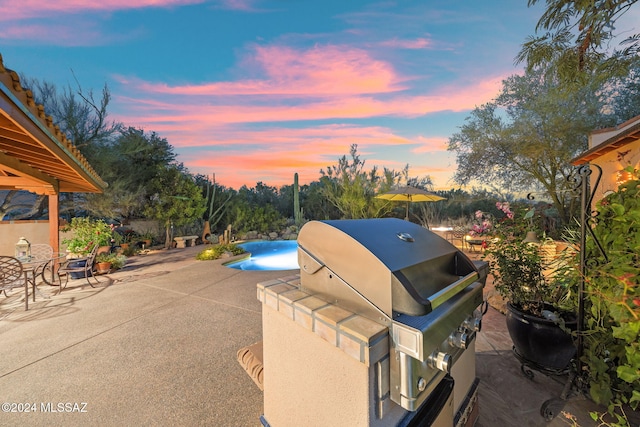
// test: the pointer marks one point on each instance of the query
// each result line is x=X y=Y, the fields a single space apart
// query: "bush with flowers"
x=485 y=223
x=87 y=233
x=482 y=226
x=518 y=267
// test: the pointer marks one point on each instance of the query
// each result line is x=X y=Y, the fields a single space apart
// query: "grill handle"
x=443 y=295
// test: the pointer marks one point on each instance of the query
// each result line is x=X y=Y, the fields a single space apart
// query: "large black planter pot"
x=540 y=342
x=78 y=264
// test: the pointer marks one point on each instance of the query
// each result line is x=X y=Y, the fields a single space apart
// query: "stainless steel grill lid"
x=399 y=274
x=398 y=266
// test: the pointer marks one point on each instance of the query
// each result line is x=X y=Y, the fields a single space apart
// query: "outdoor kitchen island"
x=378 y=329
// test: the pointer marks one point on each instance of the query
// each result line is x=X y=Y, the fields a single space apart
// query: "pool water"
x=269 y=255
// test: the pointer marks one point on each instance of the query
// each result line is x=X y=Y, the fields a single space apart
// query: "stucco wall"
x=611 y=163
x=38 y=232
x=11 y=231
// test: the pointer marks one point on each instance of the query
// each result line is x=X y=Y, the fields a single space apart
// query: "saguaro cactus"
x=297 y=211
x=214 y=214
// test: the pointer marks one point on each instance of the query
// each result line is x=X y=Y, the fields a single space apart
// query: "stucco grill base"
x=326 y=366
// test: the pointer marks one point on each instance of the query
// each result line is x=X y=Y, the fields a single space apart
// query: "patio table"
x=475 y=242
x=34 y=266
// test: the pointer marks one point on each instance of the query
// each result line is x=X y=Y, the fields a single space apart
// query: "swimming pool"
x=269 y=255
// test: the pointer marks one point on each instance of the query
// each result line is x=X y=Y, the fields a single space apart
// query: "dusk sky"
x=256 y=90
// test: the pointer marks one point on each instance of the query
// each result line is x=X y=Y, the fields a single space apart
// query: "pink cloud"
x=327 y=139
x=38 y=8
x=244 y=5
x=157 y=111
x=63 y=35
x=419 y=43
x=240 y=156
x=319 y=71
x=272 y=154
x=430 y=144
x=325 y=83
x=275 y=165
x=272 y=166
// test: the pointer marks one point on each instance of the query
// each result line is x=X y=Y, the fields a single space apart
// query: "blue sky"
x=257 y=90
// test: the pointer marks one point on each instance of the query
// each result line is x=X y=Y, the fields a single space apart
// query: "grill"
x=410 y=280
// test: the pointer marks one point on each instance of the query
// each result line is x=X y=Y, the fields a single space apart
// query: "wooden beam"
x=54 y=222
x=29 y=123
x=18 y=168
x=14 y=133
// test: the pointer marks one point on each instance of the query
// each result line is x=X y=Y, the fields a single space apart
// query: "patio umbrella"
x=409 y=194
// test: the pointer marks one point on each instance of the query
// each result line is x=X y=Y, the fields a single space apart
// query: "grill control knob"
x=473 y=323
x=440 y=361
x=460 y=339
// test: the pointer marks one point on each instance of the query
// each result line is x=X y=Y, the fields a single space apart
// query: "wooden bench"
x=184 y=241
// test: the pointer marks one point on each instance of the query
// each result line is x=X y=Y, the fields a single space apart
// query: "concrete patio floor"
x=157 y=346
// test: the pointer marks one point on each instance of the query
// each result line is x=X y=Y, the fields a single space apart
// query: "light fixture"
x=531 y=238
x=623 y=176
x=23 y=249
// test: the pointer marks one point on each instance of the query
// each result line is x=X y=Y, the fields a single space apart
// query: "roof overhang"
x=34 y=154
x=621 y=135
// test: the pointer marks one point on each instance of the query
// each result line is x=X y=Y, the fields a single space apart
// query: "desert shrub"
x=262 y=219
x=217 y=251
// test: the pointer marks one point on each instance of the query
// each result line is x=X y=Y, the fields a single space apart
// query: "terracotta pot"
x=103 y=267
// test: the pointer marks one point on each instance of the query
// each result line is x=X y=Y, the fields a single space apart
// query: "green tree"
x=316 y=205
x=581 y=40
x=83 y=118
x=525 y=139
x=144 y=153
x=256 y=209
x=260 y=195
x=176 y=199
x=261 y=218
x=624 y=95
x=129 y=163
x=352 y=190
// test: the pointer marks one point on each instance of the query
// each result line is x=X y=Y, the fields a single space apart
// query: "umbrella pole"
x=406 y=217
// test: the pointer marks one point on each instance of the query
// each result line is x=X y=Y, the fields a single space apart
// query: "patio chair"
x=41 y=252
x=84 y=266
x=12 y=275
x=458 y=233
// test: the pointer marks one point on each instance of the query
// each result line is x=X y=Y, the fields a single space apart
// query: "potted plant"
x=85 y=234
x=108 y=262
x=118 y=261
x=104 y=262
x=146 y=238
x=126 y=237
x=539 y=294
